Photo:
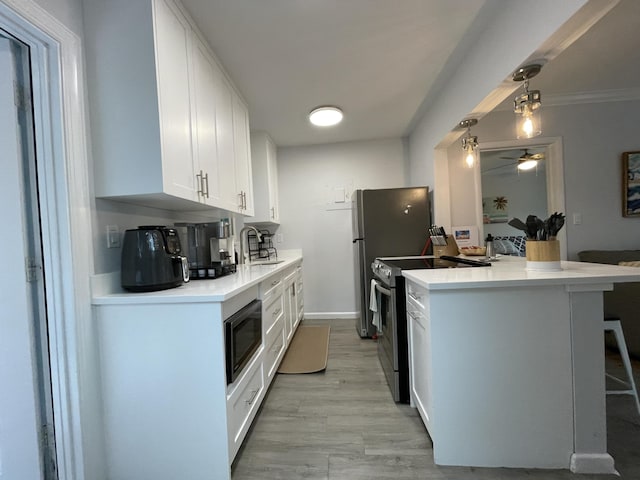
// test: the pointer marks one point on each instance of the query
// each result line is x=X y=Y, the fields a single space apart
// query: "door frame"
x=554 y=177
x=63 y=182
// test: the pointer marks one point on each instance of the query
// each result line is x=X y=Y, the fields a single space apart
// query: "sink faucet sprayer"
x=242 y=258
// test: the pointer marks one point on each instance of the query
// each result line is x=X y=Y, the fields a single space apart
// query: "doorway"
x=62 y=178
x=548 y=148
x=23 y=292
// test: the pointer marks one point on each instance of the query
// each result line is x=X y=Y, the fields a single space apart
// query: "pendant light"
x=469 y=143
x=527 y=105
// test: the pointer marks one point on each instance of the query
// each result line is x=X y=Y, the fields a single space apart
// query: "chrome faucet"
x=242 y=258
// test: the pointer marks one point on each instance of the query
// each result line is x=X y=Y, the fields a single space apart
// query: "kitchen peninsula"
x=169 y=410
x=507 y=365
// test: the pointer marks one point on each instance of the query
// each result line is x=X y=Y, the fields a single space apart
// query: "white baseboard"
x=331 y=315
x=593 y=463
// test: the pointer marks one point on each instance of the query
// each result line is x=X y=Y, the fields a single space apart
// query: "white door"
x=26 y=435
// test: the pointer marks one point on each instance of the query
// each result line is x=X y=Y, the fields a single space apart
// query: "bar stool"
x=614 y=325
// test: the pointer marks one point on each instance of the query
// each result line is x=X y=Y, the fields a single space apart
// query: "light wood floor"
x=343 y=424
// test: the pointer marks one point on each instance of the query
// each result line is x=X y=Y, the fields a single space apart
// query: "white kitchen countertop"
x=107 y=290
x=511 y=272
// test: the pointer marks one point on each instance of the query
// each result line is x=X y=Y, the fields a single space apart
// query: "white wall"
x=594 y=136
x=307 y=178
x=68 y=12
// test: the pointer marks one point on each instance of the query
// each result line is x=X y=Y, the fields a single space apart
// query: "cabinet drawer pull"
x=253 y=396
x=414 y=315
x=415 y=297
x=276 y=312
x=275 y=282
x=276 y=348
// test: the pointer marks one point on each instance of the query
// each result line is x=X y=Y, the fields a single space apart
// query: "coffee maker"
x=209 y=248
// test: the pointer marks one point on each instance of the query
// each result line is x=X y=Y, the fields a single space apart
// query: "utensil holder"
x=451 y=248
x=543 y=255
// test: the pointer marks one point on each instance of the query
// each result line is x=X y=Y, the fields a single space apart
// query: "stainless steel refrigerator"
x=389 y=222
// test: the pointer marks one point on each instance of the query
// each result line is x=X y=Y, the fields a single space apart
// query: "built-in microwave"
x=243 y=337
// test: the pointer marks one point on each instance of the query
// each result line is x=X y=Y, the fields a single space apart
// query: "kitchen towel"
x=373 y=304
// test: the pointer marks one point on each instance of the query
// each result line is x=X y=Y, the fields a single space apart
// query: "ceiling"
x=377 y=59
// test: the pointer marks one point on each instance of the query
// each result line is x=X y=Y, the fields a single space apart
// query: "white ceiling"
x=377 y=59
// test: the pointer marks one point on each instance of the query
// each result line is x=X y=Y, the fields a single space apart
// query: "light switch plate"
x=113 y=236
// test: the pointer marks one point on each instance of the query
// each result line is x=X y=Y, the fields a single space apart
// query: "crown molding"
x=596 y=96
x=601 y=96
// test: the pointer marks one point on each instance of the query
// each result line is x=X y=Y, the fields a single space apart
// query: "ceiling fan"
x=527 y=160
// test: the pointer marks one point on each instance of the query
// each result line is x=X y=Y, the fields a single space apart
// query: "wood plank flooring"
x=343 y=424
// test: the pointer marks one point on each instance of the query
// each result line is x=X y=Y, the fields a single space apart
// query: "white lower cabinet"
x=168 y=411
x=243 y=403
x=419 y=350
x=299 y=294
x=290 y=304
x=275 y=345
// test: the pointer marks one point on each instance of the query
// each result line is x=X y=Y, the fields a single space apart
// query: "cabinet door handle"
x=241 y=204
x=205 y=179
x=199 y=180
x=244 y=200
x=253 y=396
x=273 y=213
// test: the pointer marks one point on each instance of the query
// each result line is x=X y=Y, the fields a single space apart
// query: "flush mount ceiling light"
x=527 y=104
x=469 y=143
x=325 y=116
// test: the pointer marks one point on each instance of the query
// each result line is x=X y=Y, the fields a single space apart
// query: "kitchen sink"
x=265 y=262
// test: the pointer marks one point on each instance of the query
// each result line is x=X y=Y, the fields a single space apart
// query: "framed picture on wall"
x=631 y=184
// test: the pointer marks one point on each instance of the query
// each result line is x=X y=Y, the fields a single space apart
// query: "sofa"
x=624 y=301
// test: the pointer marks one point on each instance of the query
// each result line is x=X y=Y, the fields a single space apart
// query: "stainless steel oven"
x=393 y=346
x=243 y=337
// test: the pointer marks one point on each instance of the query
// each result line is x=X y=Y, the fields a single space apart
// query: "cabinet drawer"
x=272 y=312
x=243 y=405
x=270 y=287
x=417 y=295
x=275 y=345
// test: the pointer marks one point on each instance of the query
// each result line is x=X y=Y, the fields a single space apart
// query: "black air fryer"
x=151 y=259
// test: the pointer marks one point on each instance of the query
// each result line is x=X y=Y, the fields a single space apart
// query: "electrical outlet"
x=577 y=219
x=113 y=236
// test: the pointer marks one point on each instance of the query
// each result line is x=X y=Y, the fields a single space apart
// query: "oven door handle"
x=383 y=290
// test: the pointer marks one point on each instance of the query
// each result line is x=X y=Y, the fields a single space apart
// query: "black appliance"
x=209 y=248
x=151 y=259
x=242 y=337
x=386 y=222
x=393 y=346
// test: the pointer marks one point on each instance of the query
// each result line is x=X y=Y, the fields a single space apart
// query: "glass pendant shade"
x=470 y=156
x=470 y=149
x=528 y=121
x=469 y=143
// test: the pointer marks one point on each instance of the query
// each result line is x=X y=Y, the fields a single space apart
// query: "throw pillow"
x=635 y=263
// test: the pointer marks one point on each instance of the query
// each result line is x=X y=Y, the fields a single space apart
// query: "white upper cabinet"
x=242 y=148
x=162 y=110
x=265 y=179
